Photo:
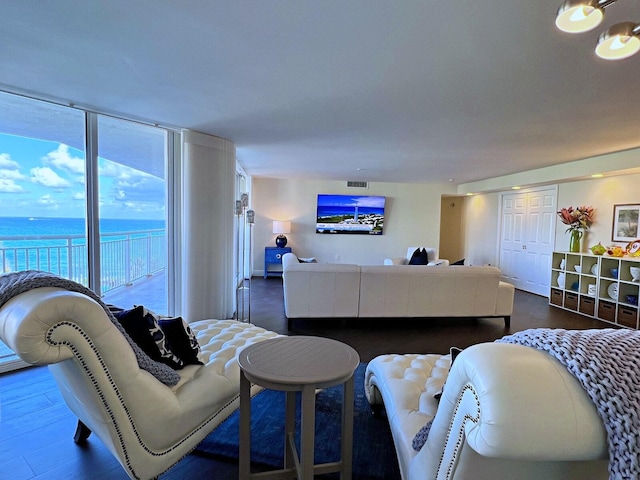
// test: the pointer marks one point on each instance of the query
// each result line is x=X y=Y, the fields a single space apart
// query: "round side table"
x=298 y=364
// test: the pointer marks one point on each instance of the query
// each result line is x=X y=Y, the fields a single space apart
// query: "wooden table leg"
x=289 y=428
x=245 y=428
x=307 y=431
x=347 y=429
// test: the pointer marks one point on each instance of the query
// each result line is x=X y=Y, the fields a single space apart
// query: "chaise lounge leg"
x=82 y=433
x=376 y=409
x=507 y=321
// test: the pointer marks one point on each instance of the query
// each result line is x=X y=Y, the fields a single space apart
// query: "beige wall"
x=412 y=217
x=482 y=223
x=451 y=228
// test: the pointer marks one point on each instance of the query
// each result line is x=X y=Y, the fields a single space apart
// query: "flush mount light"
x=577 y=16
x=620 y=41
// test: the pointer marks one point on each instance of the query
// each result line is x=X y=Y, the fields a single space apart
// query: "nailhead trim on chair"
x=467 y=418
x=77 y=354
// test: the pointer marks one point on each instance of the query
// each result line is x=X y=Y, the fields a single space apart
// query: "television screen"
x=350 y=214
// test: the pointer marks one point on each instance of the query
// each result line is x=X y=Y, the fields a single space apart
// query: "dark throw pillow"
x=419 y=257
x=459 y=262
x=181 y=339
x=144 y=330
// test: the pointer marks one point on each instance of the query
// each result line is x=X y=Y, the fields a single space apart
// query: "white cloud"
x=79 y=196
x=6 y=162
x=48 y=201
x=61 y=158
x=9 y=186
x=48 y=178
x=10 y=174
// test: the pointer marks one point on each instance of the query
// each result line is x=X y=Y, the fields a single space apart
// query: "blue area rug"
x=374 y=455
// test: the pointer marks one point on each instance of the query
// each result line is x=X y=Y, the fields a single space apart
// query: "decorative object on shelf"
x=591 y=289
x=598 y=249
x=579 y=220
x=612 y=291
x=563 y=263
x=594 y=269
x=633 y=248
x=577 y=268
x=619 y=41
x=614 y=273
x=635 y=274
x=632 y=299
x=625 y=223
x=561 y=280
x=281 y=227
x=615 y=251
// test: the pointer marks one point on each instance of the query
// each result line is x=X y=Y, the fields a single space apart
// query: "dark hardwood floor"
x=36 y=428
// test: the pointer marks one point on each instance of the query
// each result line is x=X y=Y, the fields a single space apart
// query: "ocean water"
x=30 y=226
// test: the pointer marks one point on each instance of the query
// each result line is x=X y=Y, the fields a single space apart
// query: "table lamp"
x=281 y=227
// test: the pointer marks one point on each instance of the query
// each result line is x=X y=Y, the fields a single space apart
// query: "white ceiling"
x=377 y=90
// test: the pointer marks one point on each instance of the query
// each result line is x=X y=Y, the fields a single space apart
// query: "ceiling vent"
x=358 y=184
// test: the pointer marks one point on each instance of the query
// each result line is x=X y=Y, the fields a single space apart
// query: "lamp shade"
x=281 y=226
x=618 y=42
x=577 y=16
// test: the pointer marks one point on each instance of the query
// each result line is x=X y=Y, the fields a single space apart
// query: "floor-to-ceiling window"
x=83 y=196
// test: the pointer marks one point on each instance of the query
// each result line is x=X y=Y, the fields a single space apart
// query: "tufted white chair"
x=147 y=425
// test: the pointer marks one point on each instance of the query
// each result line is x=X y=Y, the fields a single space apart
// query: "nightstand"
x=273 y=256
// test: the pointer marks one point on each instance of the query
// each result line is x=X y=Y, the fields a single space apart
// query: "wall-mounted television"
x=350 y=214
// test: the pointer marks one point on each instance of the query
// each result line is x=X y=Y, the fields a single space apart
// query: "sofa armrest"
x=504 y=302
x=515 y=403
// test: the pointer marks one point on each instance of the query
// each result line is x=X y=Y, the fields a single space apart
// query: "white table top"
x=290 y=362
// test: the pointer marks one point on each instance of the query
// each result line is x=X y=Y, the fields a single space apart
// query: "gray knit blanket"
x=12 y=284
x=607 y=364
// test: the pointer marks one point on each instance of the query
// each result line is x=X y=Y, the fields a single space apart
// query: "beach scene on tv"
x=350 y=214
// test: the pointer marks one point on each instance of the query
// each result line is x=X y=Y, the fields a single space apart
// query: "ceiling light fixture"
x=622 y=40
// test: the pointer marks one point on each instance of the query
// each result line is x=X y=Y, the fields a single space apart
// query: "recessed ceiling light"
x=452 y=179
x=469 y=194
x=516 y=188
x=597 y=175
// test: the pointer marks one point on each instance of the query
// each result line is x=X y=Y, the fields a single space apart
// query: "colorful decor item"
x=579 y=220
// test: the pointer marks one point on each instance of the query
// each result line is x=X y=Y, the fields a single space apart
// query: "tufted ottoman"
x=406 y=385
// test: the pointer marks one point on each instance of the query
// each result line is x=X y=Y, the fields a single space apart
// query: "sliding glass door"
x=83 y=196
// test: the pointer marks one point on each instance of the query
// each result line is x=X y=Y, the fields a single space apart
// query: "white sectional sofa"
x=325 y=290
x=506 y=412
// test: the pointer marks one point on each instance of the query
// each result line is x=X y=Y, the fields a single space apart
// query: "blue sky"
x=351 y=200
x=46 y=179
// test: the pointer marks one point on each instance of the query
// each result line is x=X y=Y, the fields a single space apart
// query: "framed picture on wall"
x=625 y=223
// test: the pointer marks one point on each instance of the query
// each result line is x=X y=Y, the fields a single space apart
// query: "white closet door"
x=526 y=239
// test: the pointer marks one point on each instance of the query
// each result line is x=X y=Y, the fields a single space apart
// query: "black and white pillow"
x=181 y=339
x=143 y=328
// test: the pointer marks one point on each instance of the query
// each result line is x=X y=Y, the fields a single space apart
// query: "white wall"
x=482 y=223
x=412 y=217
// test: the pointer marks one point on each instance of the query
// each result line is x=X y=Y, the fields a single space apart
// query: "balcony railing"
x=124 y=256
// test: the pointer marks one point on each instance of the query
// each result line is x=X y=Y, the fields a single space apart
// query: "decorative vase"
x=574 y=241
